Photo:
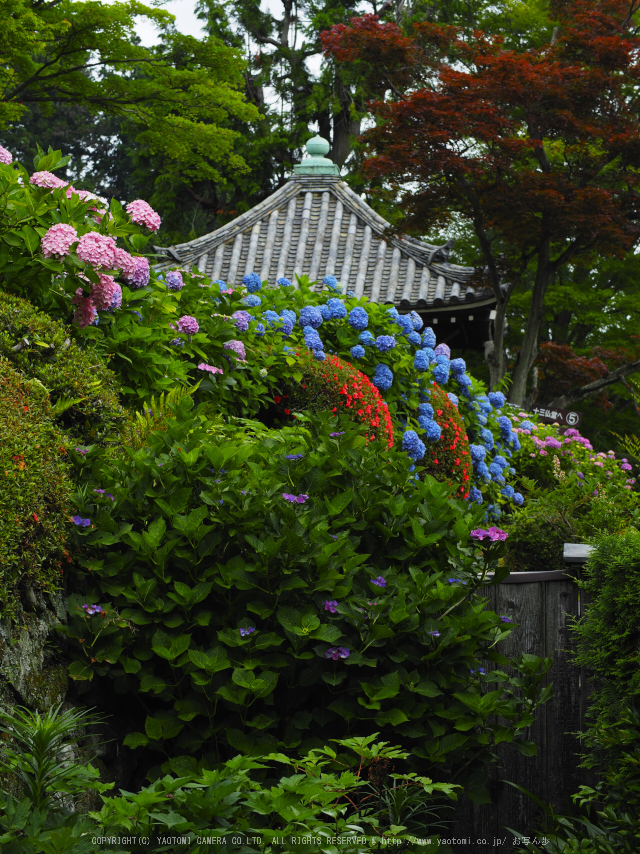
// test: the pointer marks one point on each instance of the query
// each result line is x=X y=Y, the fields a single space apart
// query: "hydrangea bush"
x=272 y=594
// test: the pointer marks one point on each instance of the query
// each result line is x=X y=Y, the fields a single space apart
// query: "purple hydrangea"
x=90 y=610
x=434 y=634
x=177 y=342
x=331 y=605
x=443 y=350
x=294 y=456
x=252 y=282
x=188 y=325
x=82 y=523
x=237 y=347
x=248 y=631
x=379 y=581
x=506 y=620
x=242 y=319
x=337 y=652
x=294 y=499
x=174 y=280
x=479 y=670
x=494 y=535
x=334 y=435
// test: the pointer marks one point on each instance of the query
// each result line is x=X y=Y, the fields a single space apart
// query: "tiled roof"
x=316 y=225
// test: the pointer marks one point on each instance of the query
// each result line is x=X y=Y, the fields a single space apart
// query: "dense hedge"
x=34 y=490
x=82 y=390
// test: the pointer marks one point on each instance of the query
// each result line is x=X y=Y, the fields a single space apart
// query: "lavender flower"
x=331 y=605
x=379 y=581
x=248 y=631
x=337 y=652
x=82 y=523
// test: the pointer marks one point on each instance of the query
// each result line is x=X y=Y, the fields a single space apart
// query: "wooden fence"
x=541 y=602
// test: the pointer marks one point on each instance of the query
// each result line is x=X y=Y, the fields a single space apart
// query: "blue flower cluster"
x=252 y=282
x=384 y=343
x=310 y=315
x=337 y=311
x=413 y=446
x=382 y=377
x=358 y=318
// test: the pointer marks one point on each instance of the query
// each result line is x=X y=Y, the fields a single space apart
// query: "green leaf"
x=135 y=739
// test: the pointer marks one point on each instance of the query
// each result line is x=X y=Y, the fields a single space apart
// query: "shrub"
x=278 y=592
x=82 y=390
x=448 y=458
x=609 y=633
x=35 y=490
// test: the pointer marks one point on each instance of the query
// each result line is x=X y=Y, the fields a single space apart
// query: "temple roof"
x=316 y=225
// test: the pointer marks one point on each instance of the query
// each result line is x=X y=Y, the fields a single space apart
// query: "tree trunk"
x=529 y=348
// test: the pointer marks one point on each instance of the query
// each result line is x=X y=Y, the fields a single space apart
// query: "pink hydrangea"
x=211 y=368
x=125 y=262
x=188 y=325
x=142 y=213
x=47 y=180
x=85 y=309
x=97 y=249
x=626 y=467
x=104 y=291
x=58 y=240
x=140 y=276
x=237 y=347
x=6 y=157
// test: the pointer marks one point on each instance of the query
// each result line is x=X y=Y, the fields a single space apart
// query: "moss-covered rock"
x=82 y=390
x=35 y=491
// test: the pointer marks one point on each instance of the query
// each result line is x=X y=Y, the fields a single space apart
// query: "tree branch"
x=575 y=395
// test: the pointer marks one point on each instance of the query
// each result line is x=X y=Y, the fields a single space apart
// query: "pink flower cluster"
x=211 y=368
x=47 y=180
x=58 y=240
x=140 y=276
x=103 y=292
x=6 y=157
x=98 y=250
x=85 y=309
x=142 y=213
x=188 y=325
x=492 y=534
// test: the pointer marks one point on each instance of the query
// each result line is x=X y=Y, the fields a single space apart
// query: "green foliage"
x=200 y=546
x=608 y=633
x=82 y=390
x=330 y=792
x=37 y=753
x=35 y=490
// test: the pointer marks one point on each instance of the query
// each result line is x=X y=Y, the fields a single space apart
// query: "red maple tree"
x=539 y=151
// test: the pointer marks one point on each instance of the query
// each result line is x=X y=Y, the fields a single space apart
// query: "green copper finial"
x=316 y=163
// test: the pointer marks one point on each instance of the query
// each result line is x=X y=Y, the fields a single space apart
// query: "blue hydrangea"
x=272 y=317
x=336 y=308
x=433 y=431
x=252 y=300
x=310 y=315
x=290 y=315
x=358 y=351
x=441 y=359
x=404 y=322
x=331 y=282
x=252 y=282
x=382 y=377
x=284 y=283
x=324 y=311
x=222 y=286
x=286 y=327
x=463 y=380
x=413 y=446
x=416 y=321
x=493 y=512
x=496 y=473
x=496 y=399
x=478 y=453
x=515 y=443
x=259 y=330
x=423 y=421
x=518 y=499
x=475 y=495
x=366 y=339
x=504 y=424
x=384 y=343
x=481 y=418
x=500 y=461
x=319 y=355
x=421 y=361
x=527 y=425
x=312 y=339
x=487 y=438
x=458 y=366
x=512 y=470
x=453 y=398
x=430 y=353
x=414 y=338
x=358 y=318
x=392 y=312
x=508 y=491
x=425 y=409
x=482 y=471
x=441 y=374
x=484 y=404
x=429 y=338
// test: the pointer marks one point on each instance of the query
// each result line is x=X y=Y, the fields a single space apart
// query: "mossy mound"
x=83 y=392
x=35 y=490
